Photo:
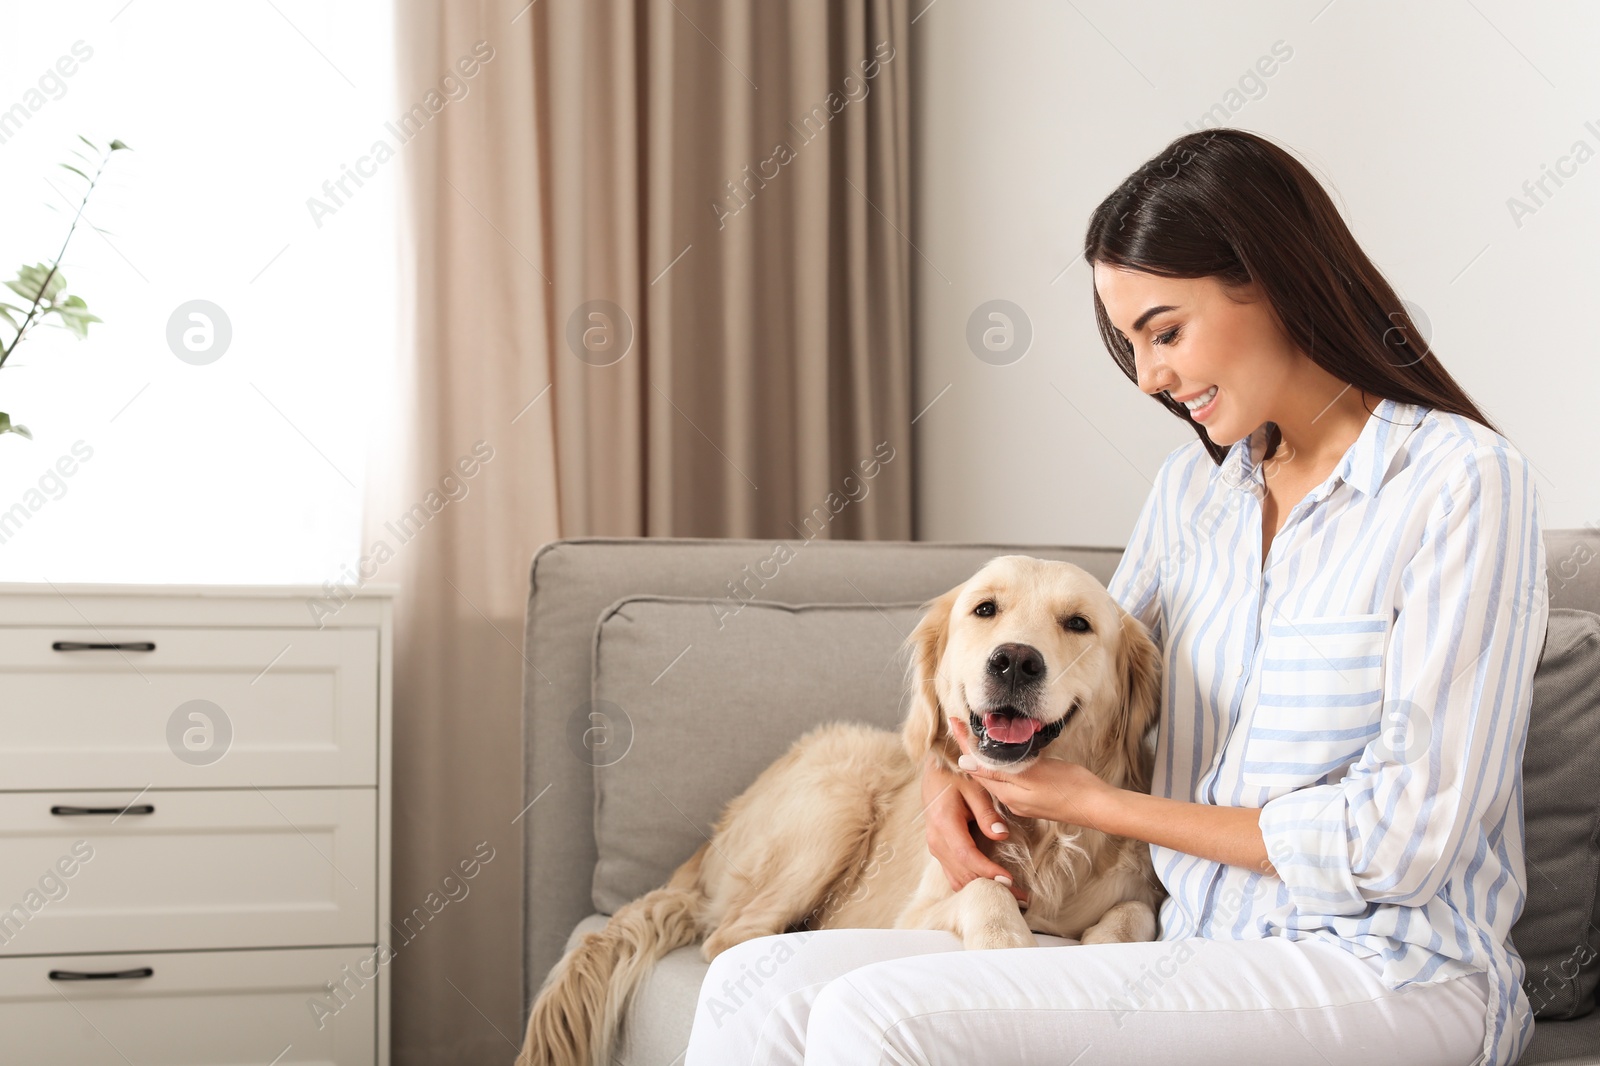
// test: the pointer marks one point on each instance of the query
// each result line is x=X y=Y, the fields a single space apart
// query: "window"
x=241 y=462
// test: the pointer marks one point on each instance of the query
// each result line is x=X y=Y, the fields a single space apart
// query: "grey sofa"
x=624 y=782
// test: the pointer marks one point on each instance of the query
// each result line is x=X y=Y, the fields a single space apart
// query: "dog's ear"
x=1138 y=669
x=924 y=723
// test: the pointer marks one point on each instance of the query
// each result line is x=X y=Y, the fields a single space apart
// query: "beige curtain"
x=659 y=278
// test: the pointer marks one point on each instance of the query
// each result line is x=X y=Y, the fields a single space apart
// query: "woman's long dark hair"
x=1232 y=205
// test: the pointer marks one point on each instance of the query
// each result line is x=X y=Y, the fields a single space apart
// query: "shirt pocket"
x=1319 y=700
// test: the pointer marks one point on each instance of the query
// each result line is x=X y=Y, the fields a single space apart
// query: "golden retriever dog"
x=1043 y=664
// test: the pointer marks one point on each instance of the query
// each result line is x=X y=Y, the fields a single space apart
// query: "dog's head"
x=1036 y=656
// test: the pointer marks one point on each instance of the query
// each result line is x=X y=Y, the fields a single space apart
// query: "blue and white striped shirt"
x=1368 y=689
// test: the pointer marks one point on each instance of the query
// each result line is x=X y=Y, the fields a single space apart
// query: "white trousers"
x=903 y=996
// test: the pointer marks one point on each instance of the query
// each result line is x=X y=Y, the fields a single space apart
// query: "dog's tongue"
x=1010 y=729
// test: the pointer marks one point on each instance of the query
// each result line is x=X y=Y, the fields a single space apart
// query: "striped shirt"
x=1367 y=689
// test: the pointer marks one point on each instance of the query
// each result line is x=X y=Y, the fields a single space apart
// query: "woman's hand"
x=1050 y=788
x=950 y=802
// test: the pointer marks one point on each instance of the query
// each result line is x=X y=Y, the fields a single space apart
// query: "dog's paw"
x=1101 y=934
x=715 y=945
x=997 y=935
x=1130 y=922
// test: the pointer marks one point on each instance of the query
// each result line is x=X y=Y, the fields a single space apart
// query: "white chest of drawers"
x=194 y=825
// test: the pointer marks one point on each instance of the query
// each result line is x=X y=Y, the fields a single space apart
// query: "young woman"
x=1346 y=575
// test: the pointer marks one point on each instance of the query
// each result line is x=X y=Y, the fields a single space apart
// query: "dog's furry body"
x=831 y=835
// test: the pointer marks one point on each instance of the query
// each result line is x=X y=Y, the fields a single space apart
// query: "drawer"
x=214 y=1008
x=202 y=708
x=187 y=870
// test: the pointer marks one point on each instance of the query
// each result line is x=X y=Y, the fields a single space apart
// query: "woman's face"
x=1199 y=338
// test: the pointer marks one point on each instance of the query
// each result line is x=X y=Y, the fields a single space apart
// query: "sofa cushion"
x=1555 y=1043
x=693 y=700
x=1556 y=933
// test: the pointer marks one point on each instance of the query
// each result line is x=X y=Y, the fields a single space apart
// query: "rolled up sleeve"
x=1458 y=684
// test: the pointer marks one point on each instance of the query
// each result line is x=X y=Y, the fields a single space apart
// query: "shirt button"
x=1241 y=671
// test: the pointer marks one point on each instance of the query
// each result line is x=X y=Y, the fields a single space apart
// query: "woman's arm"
x=1229 y=835
x=951 y=803
x=1435 y=794
x=1069 y=793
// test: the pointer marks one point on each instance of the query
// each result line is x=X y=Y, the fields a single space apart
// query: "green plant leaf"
x=87 y=141
x=7 y=427
x=75 y=170
x=30 y=278
x=74 y=318
x=118 y=146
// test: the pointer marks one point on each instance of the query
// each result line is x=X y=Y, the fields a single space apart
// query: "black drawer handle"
x=143 y=808
x=127 y=645
x=104 y=975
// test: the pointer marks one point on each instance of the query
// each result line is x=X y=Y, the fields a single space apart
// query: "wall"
x=1423 y=119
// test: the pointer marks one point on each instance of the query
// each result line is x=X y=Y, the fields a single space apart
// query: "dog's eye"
x=985 y=609
x=1076 y=624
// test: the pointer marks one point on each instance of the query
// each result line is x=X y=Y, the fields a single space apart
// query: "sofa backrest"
x=574 y=581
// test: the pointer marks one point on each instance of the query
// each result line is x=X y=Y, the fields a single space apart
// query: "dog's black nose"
x=1019 y=664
